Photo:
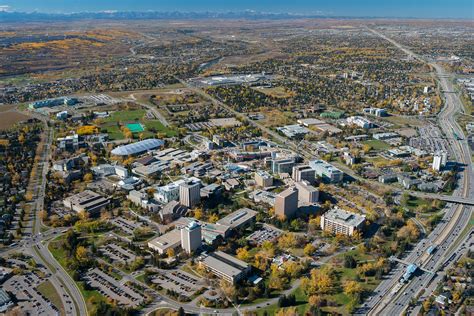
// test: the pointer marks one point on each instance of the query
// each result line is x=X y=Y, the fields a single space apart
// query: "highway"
x=392 y=297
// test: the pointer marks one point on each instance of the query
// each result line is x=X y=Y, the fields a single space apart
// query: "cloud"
x=4 y=8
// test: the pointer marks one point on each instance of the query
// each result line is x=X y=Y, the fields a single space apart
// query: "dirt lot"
x=10 y=118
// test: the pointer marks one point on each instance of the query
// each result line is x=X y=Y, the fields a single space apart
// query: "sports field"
x=135 y=127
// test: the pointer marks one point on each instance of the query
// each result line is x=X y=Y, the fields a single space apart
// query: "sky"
x=379 y=8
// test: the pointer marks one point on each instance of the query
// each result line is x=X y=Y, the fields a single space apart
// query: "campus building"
x=286 y=203
x=263 y=179
x=190 y=193
x=307 y=194
x=326 y=171
x=225 y=266
x=87 y=201
x=339 y=221
x=303 y=173
x=191 y=237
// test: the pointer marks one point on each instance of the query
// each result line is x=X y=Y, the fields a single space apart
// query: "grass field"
x=47 y=289
x=134 y=120
x=377 y=144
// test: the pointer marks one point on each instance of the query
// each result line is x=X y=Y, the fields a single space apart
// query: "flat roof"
x=167 y=240
x=224 y=263
x=344 y=217
x=237 y=218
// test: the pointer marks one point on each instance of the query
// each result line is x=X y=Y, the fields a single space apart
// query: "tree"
x=88 y=177
x=243 y=254
x=170 y=253
x=309 y=250
x=315 y=300
x=353 y=289
x=82 y=254
x=349 y=262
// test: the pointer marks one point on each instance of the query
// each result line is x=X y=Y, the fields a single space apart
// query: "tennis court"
x=135 y=127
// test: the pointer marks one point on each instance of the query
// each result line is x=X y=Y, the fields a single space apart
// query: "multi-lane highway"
x=391 y=297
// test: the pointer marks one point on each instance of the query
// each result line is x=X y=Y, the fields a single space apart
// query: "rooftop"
x=344 y=217
x=138 y=147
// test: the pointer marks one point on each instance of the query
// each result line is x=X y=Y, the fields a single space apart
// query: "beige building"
x=87 y=201
x=224 y=266
x=190 y=193
x=339 y=221
x=307 y=194
x=303 y=173
x=286 y=203
x=263 y=179
x=170 y=240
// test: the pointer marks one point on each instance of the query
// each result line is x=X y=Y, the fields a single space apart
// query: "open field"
x=276 y=92
x=9 y=119
x=118 y=119
x=377 y=144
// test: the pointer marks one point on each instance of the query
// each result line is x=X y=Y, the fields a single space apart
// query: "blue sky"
x=384 y=8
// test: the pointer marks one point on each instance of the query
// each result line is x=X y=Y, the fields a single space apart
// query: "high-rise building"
x=286 y=203
x=190 y=193
x=303 y=173
x=439 y=160
x=263 y=179
x=191 y=237
x=307 y=194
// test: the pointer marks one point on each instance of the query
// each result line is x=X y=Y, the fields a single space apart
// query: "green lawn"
x=377 y=144
x=125 y=116
x=129 y=117
x=47 y=289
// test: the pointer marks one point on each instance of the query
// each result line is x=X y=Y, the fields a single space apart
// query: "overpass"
x=392 y=258
x=443 y=197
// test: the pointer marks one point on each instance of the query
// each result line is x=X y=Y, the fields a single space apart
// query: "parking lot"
x=117 y=253
x=30 y=300
x=113 y=289
x=127 y=226
x=430 y=138
x=178 y=281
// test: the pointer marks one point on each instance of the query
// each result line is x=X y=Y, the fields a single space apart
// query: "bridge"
x=392 y=258
x=446 y=198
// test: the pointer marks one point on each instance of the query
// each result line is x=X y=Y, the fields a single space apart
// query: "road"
x=151 y=108
x=33 y=241
x=391 y=297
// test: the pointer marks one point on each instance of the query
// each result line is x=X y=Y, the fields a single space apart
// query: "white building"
x=360 y=121
x=326 y=171
x=339 y=221
x=191 y=237
x=169 y=192
x=121 y=172
x=439 y=160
